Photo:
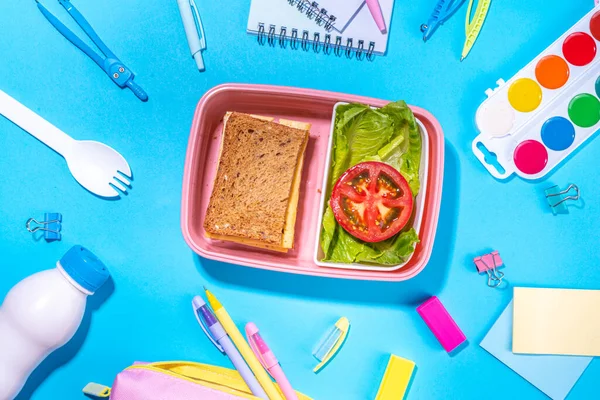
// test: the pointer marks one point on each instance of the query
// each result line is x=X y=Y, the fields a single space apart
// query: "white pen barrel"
x=189 y=25
x=35 y=125
x=199 y=61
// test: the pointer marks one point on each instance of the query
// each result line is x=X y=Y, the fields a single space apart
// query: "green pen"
x=473 y=27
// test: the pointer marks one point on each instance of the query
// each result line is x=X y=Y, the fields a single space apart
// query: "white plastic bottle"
x=42 y=313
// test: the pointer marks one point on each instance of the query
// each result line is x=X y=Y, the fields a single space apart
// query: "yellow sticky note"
x=556 y=321
x=395 y=379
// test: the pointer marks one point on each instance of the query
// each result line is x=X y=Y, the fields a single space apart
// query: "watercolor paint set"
x=541 y=115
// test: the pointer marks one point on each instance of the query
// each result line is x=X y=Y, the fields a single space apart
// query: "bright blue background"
x=146 y=313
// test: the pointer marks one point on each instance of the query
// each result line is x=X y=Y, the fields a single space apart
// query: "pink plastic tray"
x=307 y=105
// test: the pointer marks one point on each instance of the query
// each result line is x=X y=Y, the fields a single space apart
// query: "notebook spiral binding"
x=312 y=11
x=303 y=40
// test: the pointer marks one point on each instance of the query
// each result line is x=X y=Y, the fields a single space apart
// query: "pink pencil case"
x=175 y=380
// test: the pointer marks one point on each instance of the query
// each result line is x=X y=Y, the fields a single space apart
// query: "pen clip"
x=198 y=22
x=251 y=332
x=256 y=352
x=206 y=330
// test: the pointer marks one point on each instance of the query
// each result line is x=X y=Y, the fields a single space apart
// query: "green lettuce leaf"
x=395 y=250
x=346 y=118
x=406 y=158
x=328 y=232
x=391 y=135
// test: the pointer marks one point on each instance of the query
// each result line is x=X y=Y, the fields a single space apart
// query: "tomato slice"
x=372 y=201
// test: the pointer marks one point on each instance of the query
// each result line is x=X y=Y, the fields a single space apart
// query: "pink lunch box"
x=315 y=107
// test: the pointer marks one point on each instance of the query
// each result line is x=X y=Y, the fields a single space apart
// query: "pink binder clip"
x=441 y=324
x=490 y=263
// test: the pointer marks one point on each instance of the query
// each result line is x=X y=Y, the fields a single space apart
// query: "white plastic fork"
x=93 y=164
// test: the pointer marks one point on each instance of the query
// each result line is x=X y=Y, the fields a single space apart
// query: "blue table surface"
x=145 y=313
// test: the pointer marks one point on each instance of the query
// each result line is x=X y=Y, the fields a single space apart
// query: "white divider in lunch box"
x=419 y=201
x=493 y=118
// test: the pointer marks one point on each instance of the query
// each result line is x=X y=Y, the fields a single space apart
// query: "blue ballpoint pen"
x=194 y=31
x=110 y=63
x=220 y=339
x=443 y=10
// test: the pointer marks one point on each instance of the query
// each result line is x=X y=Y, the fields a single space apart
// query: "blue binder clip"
x=443 y=10
x=51 y=225
x=110 y=63
x=557 y=198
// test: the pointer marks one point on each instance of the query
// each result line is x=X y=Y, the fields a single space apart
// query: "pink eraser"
x=441 y=324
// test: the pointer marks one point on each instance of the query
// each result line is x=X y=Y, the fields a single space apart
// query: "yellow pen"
x=473 y=27
x=243 y=347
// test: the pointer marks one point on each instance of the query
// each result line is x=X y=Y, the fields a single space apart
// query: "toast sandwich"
x=255 y=194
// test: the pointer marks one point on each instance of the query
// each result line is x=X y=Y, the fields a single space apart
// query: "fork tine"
x=116 y=183
x=122 y=179
x=125 y=170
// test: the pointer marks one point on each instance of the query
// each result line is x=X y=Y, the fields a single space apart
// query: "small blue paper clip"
x=51 y=225
x=557 y=198
x=110 y=63
x=443 y=10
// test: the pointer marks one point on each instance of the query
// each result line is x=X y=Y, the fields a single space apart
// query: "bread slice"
x=256 y=190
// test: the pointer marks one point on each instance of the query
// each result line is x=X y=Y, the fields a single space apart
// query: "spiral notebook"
x=278 y=23
x=331 y=14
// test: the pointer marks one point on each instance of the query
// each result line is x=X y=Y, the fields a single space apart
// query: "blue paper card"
x=553 y=375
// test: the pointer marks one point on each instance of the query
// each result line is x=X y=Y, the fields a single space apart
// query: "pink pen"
x=269 y=361
x=375 y=9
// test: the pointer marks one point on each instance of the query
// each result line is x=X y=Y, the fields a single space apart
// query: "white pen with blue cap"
x=194 y=31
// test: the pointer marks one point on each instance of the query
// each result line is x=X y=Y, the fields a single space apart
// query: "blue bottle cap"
x=84 y=268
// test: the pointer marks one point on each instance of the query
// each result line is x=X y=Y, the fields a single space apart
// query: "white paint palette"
x=547 y=110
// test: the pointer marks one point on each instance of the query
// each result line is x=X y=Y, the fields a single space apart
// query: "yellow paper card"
x=556 y=321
